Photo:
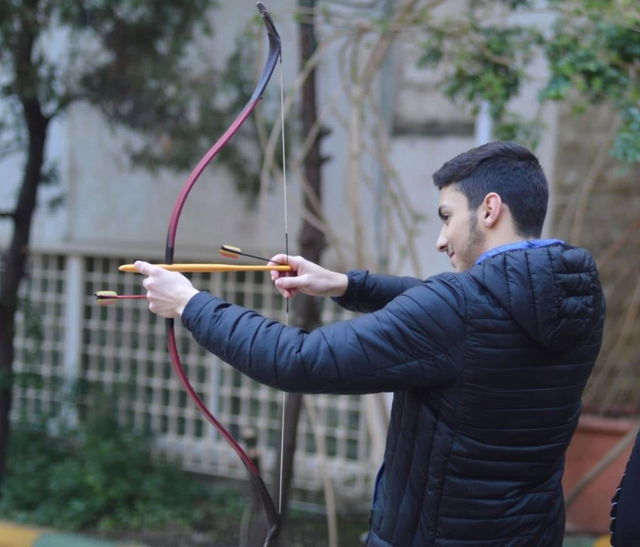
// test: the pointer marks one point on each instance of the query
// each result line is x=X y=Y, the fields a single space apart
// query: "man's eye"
x=445 y=218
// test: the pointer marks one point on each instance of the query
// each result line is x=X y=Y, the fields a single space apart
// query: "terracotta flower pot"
x=600 y=447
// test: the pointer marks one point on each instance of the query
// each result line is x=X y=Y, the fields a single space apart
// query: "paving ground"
x=12 y=535
x=586 y=541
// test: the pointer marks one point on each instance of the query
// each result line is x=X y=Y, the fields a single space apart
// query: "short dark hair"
x=508 y=169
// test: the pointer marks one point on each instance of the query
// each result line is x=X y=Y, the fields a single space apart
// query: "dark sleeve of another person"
x=625 y=521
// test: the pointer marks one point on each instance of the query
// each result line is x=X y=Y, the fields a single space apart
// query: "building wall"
x=597 y=207
x=114 y=212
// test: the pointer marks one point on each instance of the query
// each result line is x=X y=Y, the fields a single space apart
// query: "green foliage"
x=492 y=73
x=627 y=142
x=99 y=477
x=116 y=52
x=483 y=62
x=147 y=66
x=592 y=49
x=513 y=127
x=591 y=57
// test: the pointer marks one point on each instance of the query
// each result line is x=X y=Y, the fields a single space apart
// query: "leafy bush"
x=99 y=476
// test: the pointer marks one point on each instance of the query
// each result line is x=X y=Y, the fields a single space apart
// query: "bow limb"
x=272 y=59
x=268 y=505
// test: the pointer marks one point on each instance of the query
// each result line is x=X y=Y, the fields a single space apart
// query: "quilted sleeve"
x=369 y=292
x=414 y=342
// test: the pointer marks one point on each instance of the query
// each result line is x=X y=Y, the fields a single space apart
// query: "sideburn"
x=476 y=237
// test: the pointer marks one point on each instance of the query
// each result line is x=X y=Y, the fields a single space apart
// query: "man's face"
x=461 y=236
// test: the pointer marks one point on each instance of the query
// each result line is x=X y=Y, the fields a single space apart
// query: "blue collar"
x=528 y=244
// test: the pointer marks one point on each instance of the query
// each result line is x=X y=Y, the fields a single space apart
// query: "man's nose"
x=441 y=242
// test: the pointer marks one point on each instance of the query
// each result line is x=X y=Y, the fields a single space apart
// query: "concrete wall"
x=112 y=207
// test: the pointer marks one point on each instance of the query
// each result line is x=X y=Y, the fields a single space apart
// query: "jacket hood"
x=552 y=292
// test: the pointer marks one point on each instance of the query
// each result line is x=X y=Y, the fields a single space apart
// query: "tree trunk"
x=15 y=261
x=311 y=240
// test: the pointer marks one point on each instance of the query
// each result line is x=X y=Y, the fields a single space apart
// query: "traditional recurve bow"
x=271 y=513
x=268 y=505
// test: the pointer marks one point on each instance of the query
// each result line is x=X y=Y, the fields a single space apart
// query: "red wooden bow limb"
x=270 y=511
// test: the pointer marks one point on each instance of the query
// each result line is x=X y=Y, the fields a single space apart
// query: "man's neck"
x=500 y=240
x=519 y=243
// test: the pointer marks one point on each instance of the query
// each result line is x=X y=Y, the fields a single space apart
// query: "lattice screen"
x=39 y=347
x=123 y=356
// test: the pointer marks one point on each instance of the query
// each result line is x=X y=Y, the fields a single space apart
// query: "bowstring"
x=286 y=250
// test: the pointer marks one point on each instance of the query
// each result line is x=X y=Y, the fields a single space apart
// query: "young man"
x=487 y=364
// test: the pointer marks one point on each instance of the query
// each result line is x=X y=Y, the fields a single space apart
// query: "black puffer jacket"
x=487 y=366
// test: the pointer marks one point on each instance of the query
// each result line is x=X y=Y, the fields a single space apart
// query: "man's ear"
x=491 y=209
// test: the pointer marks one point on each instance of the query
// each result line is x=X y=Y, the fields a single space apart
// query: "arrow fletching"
x=230 y=251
